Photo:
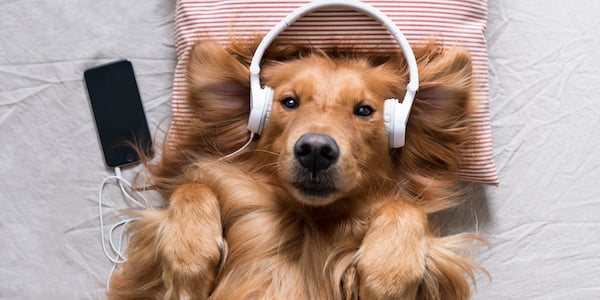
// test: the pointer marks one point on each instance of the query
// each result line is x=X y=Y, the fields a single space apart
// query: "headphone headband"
x=413 y=84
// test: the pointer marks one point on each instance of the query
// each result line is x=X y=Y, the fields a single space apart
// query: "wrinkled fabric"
x=51 y=162
x=543 y=220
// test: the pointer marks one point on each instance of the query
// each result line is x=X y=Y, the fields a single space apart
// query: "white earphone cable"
x=236 y=152
x=114 y=253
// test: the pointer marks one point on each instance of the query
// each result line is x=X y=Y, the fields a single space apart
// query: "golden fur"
x=239 y=228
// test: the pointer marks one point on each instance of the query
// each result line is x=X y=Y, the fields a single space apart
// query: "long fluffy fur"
x=234 y=230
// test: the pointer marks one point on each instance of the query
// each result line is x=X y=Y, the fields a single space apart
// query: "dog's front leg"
x=191 y=243
x=174 y=253
x=399 y=258
x=391 y=261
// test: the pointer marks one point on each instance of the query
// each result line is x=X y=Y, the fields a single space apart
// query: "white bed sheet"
x=544 y=218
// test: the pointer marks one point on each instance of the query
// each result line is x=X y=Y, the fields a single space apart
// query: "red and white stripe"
x=455 y=22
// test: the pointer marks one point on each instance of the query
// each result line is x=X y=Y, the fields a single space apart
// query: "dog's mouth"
x=316 y=186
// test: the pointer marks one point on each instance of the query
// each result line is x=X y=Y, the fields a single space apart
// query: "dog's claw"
x=224 y=251
x=349 y=286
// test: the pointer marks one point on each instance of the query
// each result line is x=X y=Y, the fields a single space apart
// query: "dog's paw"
x=391 y=261
x=399 y=258
x=191 y=244
x=449 y=267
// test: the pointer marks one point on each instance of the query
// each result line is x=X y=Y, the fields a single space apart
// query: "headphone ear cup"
x=260 y=107
x=395 y=117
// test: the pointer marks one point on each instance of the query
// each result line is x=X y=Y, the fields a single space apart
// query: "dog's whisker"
x=263 y=166
x=267 y=151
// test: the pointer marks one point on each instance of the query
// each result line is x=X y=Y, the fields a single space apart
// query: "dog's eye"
x=290 y=103
x=363 y=111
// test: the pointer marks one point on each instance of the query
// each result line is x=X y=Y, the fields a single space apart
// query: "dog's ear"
x=218 y=95
x=445 y=78
x=438 y=123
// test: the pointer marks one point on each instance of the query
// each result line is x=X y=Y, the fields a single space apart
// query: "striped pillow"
x=455 y=22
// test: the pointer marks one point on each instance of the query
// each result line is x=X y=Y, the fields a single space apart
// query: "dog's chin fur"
x=313 y=199
x=352 y=223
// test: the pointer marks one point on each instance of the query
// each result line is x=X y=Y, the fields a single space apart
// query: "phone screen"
x=118 y=112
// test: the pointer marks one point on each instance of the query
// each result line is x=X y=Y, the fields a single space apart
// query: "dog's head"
x=325 y=139
x=326 y=125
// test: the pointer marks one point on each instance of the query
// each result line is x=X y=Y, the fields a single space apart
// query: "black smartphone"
x=118 y=112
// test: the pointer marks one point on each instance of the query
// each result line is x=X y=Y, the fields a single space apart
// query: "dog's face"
x=326 y=124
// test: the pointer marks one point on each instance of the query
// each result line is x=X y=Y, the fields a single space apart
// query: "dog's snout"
x=316 y=151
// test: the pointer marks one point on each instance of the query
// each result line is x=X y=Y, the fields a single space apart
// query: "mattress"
x=543 y=219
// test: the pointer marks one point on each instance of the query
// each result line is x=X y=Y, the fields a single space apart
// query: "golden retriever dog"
x=318 y=206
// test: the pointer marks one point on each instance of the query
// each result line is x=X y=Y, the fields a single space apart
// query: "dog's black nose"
x=316 y=151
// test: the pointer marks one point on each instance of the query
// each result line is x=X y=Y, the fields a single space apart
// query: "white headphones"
x=395 y=113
